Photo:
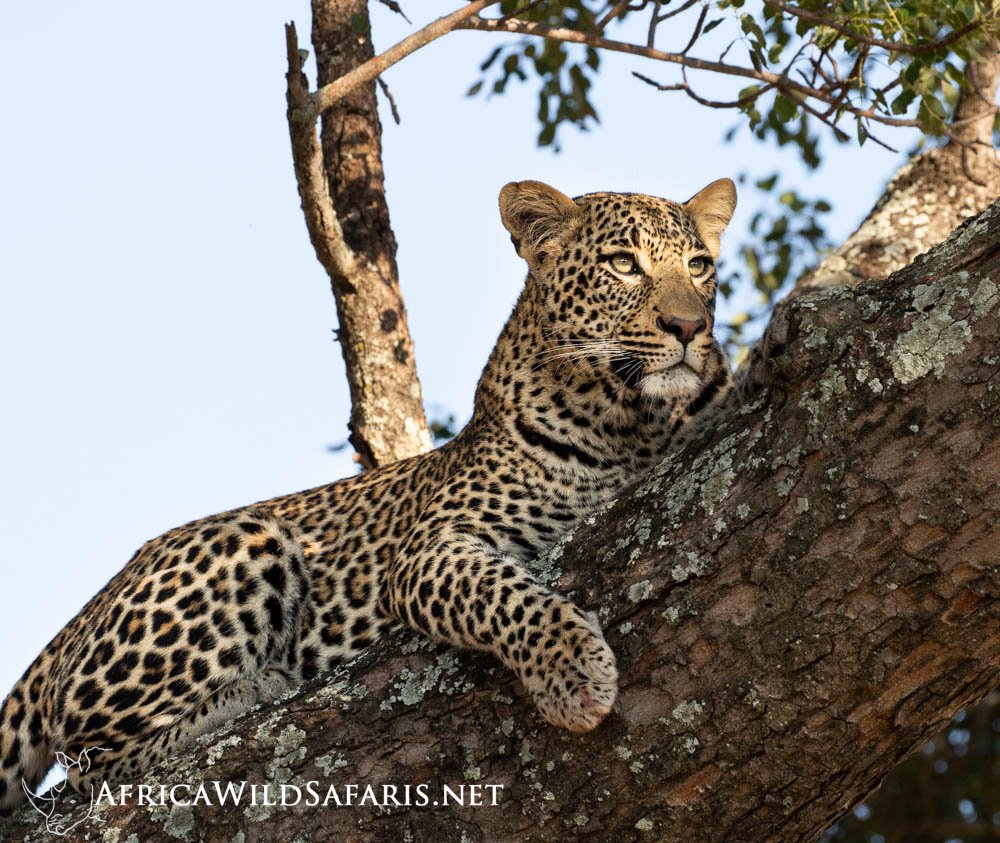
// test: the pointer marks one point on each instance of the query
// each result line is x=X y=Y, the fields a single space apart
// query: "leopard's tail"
x=24 y=756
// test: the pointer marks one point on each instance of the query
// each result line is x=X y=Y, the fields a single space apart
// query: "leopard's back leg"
x=25 y=757
x=196 y=629
x=127 y=763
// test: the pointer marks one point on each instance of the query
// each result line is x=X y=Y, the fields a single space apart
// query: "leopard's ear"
x=534 y=214
x=712 y=208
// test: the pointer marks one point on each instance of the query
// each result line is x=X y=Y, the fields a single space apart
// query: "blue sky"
x=166 y=333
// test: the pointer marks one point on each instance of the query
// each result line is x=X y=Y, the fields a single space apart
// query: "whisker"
x=580 y=353
x=581 y=346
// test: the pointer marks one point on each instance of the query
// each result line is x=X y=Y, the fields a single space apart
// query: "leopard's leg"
x=127 y=764
x=205 y=641
x=456 y=588
x=24 y=756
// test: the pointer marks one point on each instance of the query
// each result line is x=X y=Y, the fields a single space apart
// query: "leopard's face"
x=626 y=282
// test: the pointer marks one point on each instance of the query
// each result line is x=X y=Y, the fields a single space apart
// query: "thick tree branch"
x=976 y=109
x=973 y=121
x=797 y=603
x=341 y=187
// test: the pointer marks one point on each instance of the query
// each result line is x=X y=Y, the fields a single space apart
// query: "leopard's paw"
x=574 y=682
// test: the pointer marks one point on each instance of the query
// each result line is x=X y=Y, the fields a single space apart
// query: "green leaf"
x=750 y=27
x=935 y=107
x=784 y=108
x=359 y=24
x=475 y=89
x=909 y=76
x=901 y=103
x=492 y=57
x=791 y=199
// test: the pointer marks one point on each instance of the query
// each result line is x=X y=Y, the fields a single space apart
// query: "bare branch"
x=310 y=176
x=395 y=7
x=613 y=12
x=875 y=139
x=674 y=12
x=656 y=19
x=697 y=31
x=653 y=21
x=857 y=69
x=388 y=95
x=329 y=94
x=523 y=10
x=686 y=87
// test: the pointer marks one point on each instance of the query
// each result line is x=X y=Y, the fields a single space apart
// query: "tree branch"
x=613 y=12
x=310 y=175
x=468 y=18
x=781 y=81
x=343 y=200
x=976 y=110
x=929 y=196
x=869 y=40
x=796 y=604
x=687 y=89
x=330 y=93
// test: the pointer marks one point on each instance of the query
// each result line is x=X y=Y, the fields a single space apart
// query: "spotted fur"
x=596 y=374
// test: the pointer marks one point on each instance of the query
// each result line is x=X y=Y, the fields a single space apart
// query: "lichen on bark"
x=796 y=602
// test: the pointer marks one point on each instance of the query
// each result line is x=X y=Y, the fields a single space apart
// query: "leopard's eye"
x=624 y=263
x=698 y=267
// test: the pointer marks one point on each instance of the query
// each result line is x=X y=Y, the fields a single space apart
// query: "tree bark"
x=348 y=221
x=797 y=602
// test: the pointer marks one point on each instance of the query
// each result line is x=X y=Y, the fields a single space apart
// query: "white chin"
x=677 y=382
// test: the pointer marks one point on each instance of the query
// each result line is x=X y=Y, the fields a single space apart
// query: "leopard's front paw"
x=573 y=679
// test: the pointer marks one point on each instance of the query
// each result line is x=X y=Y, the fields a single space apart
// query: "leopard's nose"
x=684 y=330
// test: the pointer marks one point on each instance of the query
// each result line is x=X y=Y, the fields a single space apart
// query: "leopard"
x=606 y=361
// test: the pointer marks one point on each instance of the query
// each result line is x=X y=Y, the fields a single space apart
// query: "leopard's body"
x=595 y=375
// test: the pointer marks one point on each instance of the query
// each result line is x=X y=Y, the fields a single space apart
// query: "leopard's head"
x=626 y=283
